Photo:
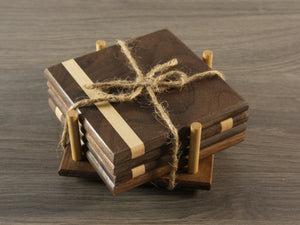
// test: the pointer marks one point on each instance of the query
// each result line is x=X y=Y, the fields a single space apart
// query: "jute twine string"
x=157 y=80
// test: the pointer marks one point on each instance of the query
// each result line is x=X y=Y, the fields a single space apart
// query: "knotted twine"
x=157 y=80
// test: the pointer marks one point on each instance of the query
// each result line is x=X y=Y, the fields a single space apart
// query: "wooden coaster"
x=238 y=126
x=69 y=167
x=127 y=131
x=145 y=166
x=207 y=101
x=201 y=180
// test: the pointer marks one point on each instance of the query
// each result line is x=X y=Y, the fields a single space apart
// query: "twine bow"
x=157 y=80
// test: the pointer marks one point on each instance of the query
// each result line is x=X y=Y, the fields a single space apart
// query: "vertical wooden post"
x=100 y=44
x=195 y=141
x=72 y=119
x=208 y=57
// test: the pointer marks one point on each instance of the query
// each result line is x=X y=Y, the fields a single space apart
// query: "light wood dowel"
x=72 y=118
x=195 y=140
x=208 y=57
x=100 y=44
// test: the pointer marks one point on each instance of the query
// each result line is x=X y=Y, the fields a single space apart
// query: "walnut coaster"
x=123 y=141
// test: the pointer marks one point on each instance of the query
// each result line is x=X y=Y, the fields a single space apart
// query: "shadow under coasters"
x=208 y=101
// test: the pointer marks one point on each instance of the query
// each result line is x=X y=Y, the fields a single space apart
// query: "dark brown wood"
x=69 y=167
x=184 y=181
x=184 y=132
x=105 y=163
x=154 y=154
x=150 y=163
x=207 y=101
x=159 y=172
x=220 y=100
x=255 y=44
x=210 y=135
x=201 y=180
x=125 y=186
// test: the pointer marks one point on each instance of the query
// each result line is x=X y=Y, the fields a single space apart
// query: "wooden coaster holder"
x=73 y=164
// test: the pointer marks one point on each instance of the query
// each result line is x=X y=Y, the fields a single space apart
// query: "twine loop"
x=159 y=79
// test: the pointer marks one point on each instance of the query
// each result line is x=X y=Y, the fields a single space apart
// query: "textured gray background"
x=256 y=44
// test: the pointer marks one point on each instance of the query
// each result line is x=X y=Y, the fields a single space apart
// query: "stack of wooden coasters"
x=125 y=143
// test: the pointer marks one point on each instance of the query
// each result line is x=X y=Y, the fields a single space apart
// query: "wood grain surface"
x=218 y=100
x=68 y=167
x=255 y=43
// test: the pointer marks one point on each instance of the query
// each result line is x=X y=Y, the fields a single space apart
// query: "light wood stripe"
x=113 y=117
x=226 y=124
x=58 y=113
x=137 y=171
